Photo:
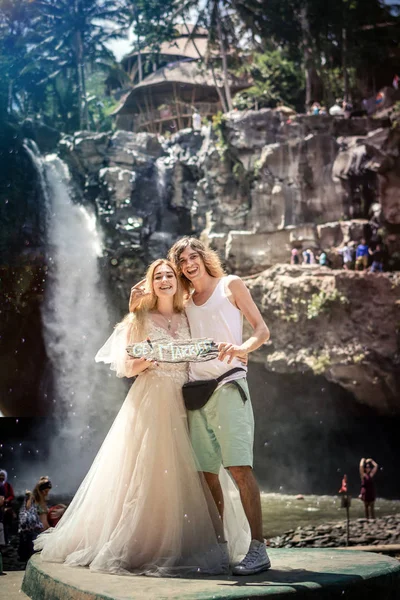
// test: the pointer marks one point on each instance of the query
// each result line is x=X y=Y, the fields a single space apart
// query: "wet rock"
x=129 y=150
x=362 y=532
x=253 y=129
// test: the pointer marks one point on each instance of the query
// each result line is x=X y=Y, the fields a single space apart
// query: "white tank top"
x=221 y=321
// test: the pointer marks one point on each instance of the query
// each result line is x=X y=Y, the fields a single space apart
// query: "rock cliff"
x=340 y=324
x=257 y=185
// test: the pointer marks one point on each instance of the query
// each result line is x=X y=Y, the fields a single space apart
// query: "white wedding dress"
x=143 y=508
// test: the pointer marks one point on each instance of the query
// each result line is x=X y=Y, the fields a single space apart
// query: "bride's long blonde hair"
x=138 y=318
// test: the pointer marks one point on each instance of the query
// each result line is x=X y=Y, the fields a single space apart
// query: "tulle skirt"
x=143 y=507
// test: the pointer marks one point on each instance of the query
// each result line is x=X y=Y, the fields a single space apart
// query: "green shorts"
x=222 y=432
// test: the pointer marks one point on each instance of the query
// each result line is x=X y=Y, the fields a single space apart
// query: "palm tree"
x=71 y=35
x=15 y=19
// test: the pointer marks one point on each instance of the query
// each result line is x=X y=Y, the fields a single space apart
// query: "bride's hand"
x=137 y=295
x=138 y=365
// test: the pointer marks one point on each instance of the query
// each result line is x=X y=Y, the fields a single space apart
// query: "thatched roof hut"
x=186 y=45
x=173 y=83
x=166 y=99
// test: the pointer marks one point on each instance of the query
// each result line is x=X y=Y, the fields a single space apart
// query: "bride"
x=143 y=508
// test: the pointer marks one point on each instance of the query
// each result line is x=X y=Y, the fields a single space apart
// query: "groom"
x=222 y=432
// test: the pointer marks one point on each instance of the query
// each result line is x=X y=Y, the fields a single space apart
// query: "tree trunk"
x=312 y=78
x=80 y=69
x=140 y=65
x=219 y=92
x=224 y=62
x=82 y=78
x=344 y=64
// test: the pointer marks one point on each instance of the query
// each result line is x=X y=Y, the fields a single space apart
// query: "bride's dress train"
x=142 y=507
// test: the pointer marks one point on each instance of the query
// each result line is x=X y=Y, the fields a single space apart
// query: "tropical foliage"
x=54 y=53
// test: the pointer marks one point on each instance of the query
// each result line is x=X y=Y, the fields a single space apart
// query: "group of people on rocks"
x=359 y=257
x=32 y=517
x=309 y=257
x=364 y=256
x=340 y=108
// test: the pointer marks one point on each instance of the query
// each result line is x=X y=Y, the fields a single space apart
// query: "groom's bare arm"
x=241 y=298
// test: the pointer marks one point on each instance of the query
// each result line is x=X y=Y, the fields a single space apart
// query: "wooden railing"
x=177 y=111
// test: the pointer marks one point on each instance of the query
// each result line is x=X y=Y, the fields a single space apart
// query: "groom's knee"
x=241 y=473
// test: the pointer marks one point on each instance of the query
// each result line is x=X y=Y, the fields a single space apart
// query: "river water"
x=282 y=512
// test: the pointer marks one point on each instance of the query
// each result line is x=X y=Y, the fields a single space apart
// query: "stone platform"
x=308 y=573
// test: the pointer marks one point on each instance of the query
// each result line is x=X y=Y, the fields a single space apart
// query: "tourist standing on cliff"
x=377 y=259
x=362 y=255
x=294 y=257
x=368 y=468
x=347 y=254
x=222 y=431
x=308 y=257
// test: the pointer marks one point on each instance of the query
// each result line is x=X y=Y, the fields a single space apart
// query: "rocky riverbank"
x=381 y=531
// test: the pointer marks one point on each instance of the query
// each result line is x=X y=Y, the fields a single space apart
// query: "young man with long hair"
x=222 y=432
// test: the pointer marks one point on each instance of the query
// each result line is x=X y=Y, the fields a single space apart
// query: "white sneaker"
x=255 y=561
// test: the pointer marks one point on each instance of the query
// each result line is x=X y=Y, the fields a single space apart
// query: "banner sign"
x=165 y=350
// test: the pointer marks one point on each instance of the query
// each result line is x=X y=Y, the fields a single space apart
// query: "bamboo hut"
x=170 y=86
x=165 y=100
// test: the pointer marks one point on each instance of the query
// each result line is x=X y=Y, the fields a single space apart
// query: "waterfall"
x=76 y=320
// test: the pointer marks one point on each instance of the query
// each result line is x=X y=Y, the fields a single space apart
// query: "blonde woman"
x=32 y=518
x=38 y=498
x=143 y=508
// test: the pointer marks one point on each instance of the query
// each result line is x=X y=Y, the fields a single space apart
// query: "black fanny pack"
x=196 y=394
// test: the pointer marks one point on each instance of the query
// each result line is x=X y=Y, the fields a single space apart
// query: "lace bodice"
x=177 y=371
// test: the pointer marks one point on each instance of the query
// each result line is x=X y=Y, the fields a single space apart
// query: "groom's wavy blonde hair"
x=210 y=258
x=138 y=318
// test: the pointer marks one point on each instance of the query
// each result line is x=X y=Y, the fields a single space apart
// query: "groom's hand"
x=231 y=351
x=137 y=294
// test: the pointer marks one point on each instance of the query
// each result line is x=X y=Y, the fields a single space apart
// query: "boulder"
x=129 y=150
x=90 y=150
x=252 y=129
